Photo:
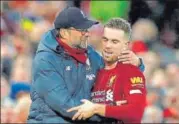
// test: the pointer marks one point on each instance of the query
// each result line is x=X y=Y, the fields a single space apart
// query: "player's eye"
x=115 y=41
x=104 y=39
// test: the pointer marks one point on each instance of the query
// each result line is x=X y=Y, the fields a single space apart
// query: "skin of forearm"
x=99 y=109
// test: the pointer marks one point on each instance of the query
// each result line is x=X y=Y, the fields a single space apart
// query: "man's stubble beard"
x=110 y=62
x=83 y=43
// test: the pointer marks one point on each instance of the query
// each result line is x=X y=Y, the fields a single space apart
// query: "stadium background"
x=155 y=38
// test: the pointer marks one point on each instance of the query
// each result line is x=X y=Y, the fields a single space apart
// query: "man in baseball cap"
x=73 y=17
x=60 y=77
x=74 y=21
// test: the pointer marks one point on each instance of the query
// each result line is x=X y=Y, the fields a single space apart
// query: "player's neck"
x=109 y=66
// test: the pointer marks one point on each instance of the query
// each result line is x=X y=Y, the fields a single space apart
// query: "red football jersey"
x=124 y=82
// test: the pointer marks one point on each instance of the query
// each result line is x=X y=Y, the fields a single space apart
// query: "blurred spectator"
x=139 y=47
x=163 y=13
x=168 y=36
x=152 y=62
x=22 y=69
x=23 y=106
x=167 y=55
x=7 y=55
x=155 y=97
x=144 y=30
x=6 y=101
x=38 y=29
x=8 y=115
x=21 y=44
x=8 y=26
x=171 y=102
x=152 y=114
x=158 y=78
x=21 y=92
x=18 y=87
x=172 y=71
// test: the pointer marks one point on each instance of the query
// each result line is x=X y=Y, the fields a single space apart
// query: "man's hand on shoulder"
x=129 y=57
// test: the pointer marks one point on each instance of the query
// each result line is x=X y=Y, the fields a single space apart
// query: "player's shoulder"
x=131 y=73
x=129 y=69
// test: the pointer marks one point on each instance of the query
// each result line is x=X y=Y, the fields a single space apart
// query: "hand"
x=84 y=111
x=129 y=57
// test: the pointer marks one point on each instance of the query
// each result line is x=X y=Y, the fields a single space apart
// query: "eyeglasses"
x=83 y=31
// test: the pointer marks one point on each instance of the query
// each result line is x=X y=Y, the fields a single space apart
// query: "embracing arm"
x=129 y=57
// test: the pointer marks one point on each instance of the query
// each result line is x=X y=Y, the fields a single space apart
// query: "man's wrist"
x=95 y=108
x=99 y=109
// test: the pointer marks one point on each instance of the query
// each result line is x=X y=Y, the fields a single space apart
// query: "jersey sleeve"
x=134 y=92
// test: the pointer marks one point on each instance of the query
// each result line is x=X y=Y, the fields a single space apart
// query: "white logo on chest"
x=68 y=68
x=90 y=77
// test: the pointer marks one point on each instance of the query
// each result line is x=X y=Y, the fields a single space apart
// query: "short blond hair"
x=119 y=23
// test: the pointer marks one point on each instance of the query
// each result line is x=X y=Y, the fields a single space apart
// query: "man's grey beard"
x=83 y=44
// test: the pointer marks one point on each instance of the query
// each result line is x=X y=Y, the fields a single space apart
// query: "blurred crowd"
x=155 y=39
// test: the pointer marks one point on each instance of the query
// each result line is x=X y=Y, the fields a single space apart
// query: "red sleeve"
x=135 y=94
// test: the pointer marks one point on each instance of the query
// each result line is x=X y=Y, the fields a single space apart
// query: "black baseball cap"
x=73 y=17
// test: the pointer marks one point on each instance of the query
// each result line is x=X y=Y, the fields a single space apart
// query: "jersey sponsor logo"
x=98 y=93
x=136 y=91
x=136 y=80
x=111 y=81
x=98 y=96
x=98 y=100
x=109 y=95
x=90 y=77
